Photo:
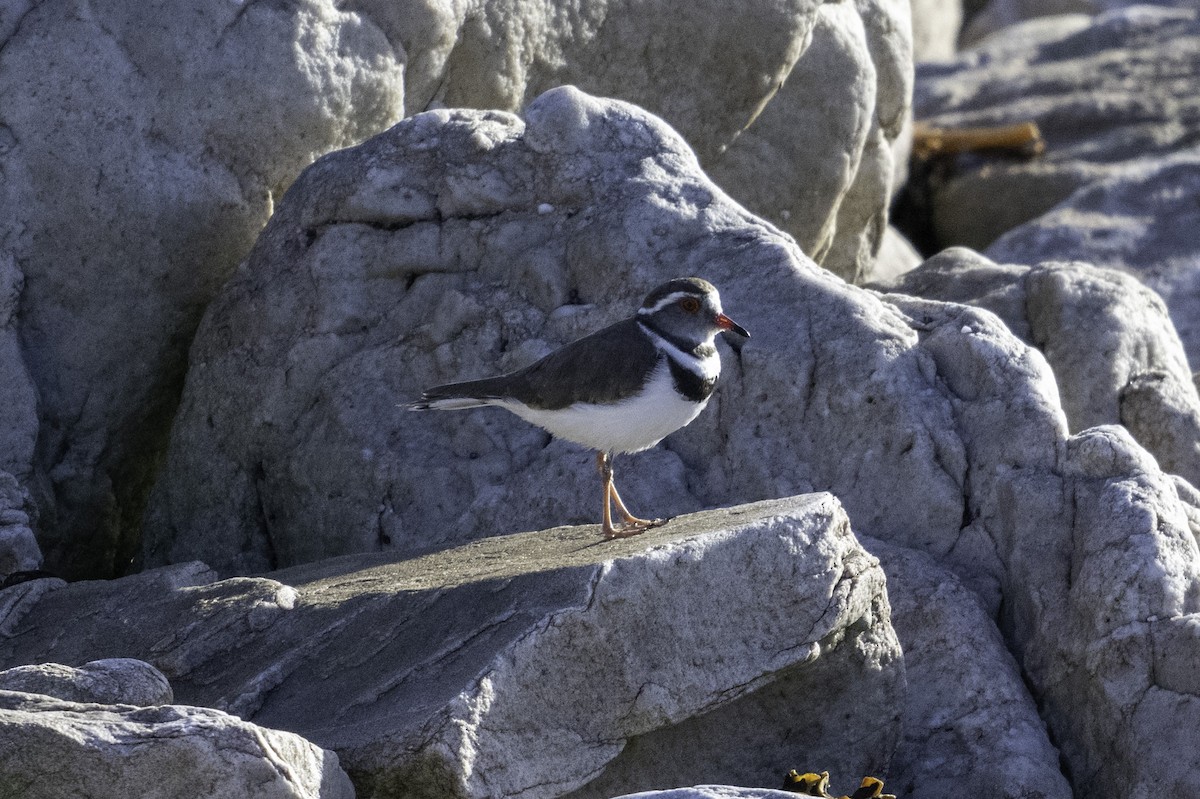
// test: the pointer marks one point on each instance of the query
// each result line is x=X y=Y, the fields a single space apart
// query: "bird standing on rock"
x=620 y=389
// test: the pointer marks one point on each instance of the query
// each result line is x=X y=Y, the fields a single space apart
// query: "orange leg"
x=631 y=524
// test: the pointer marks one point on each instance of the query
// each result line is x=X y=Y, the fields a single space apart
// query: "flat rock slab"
x=50 y=749
x=713 y=649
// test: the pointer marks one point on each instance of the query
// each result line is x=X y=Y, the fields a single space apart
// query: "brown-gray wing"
x=604 y=367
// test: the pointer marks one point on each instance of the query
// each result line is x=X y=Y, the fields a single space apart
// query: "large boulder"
x=1117 y=630
x=1116 y=356
x=1112 y=96
x=970 y=726
x=112 y=681
x=738 y=92
x=50 y=748
x=543 y=664
x=143 y=147
x=460 y=244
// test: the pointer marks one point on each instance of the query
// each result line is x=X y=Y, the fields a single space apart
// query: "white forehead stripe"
x=673 y=297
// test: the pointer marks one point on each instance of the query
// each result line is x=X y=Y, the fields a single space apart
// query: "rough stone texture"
x=534 y=664
x=113 y=681
x=17 y=600
x=1124 y=605
x=143 y=147
x=736 y=90
x=1092 y=550
x=970 y=726
x=1108 y=93
x=19 y=549
x=18 y=398
x=1113 y=96
x=1139 y=222
x=459 y=244
x=396 y=265
x=999 y=14
x=51 y=749
x=936 y=25
x=1109 y=340
x=833 y=194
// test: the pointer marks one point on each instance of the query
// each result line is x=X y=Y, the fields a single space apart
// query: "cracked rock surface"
x=542 y=664
x=143 y=148
x=460 y=244
x=1116 y=356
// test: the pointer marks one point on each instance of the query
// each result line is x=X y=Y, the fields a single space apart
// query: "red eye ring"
x=690 y=304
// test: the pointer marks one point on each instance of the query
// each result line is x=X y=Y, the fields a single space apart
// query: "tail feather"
x=458 y=396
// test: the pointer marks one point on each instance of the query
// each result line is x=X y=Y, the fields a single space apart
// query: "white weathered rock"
x=143 y=147
x=543 y=664
x=461 y=243
x=1114 y=351
x=896 y=256
x=1113 y=98
x=738 y=93
x=1117 y=625
x=112 y=681
x=936 y=25
x=970 y=726
x=1138 y=221
x=50 y=748
x=830 y=187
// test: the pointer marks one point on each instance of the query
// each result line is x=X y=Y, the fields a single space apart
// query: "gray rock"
x=19 y=549
x=51 y=749
x=19 y=599
x=462 y=243
x=18 y=397
x=396 y=265
x=999 y=14
x=936 y=25
x=1124 y=605
x=113 y=681
x=830 y=188
x=1114 y=351
x=144 y=147
x=1130 y=104
x=1091 y=548
x=1111 y=95
x=970 y=726
x=736 y=92
x=542 y=664
x=1137 y=221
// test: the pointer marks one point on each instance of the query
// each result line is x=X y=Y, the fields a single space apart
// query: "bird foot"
x=632 y=527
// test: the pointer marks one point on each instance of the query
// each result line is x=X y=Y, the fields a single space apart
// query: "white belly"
x=627 y=426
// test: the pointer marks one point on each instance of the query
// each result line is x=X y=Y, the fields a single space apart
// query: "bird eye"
x=690 y=304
